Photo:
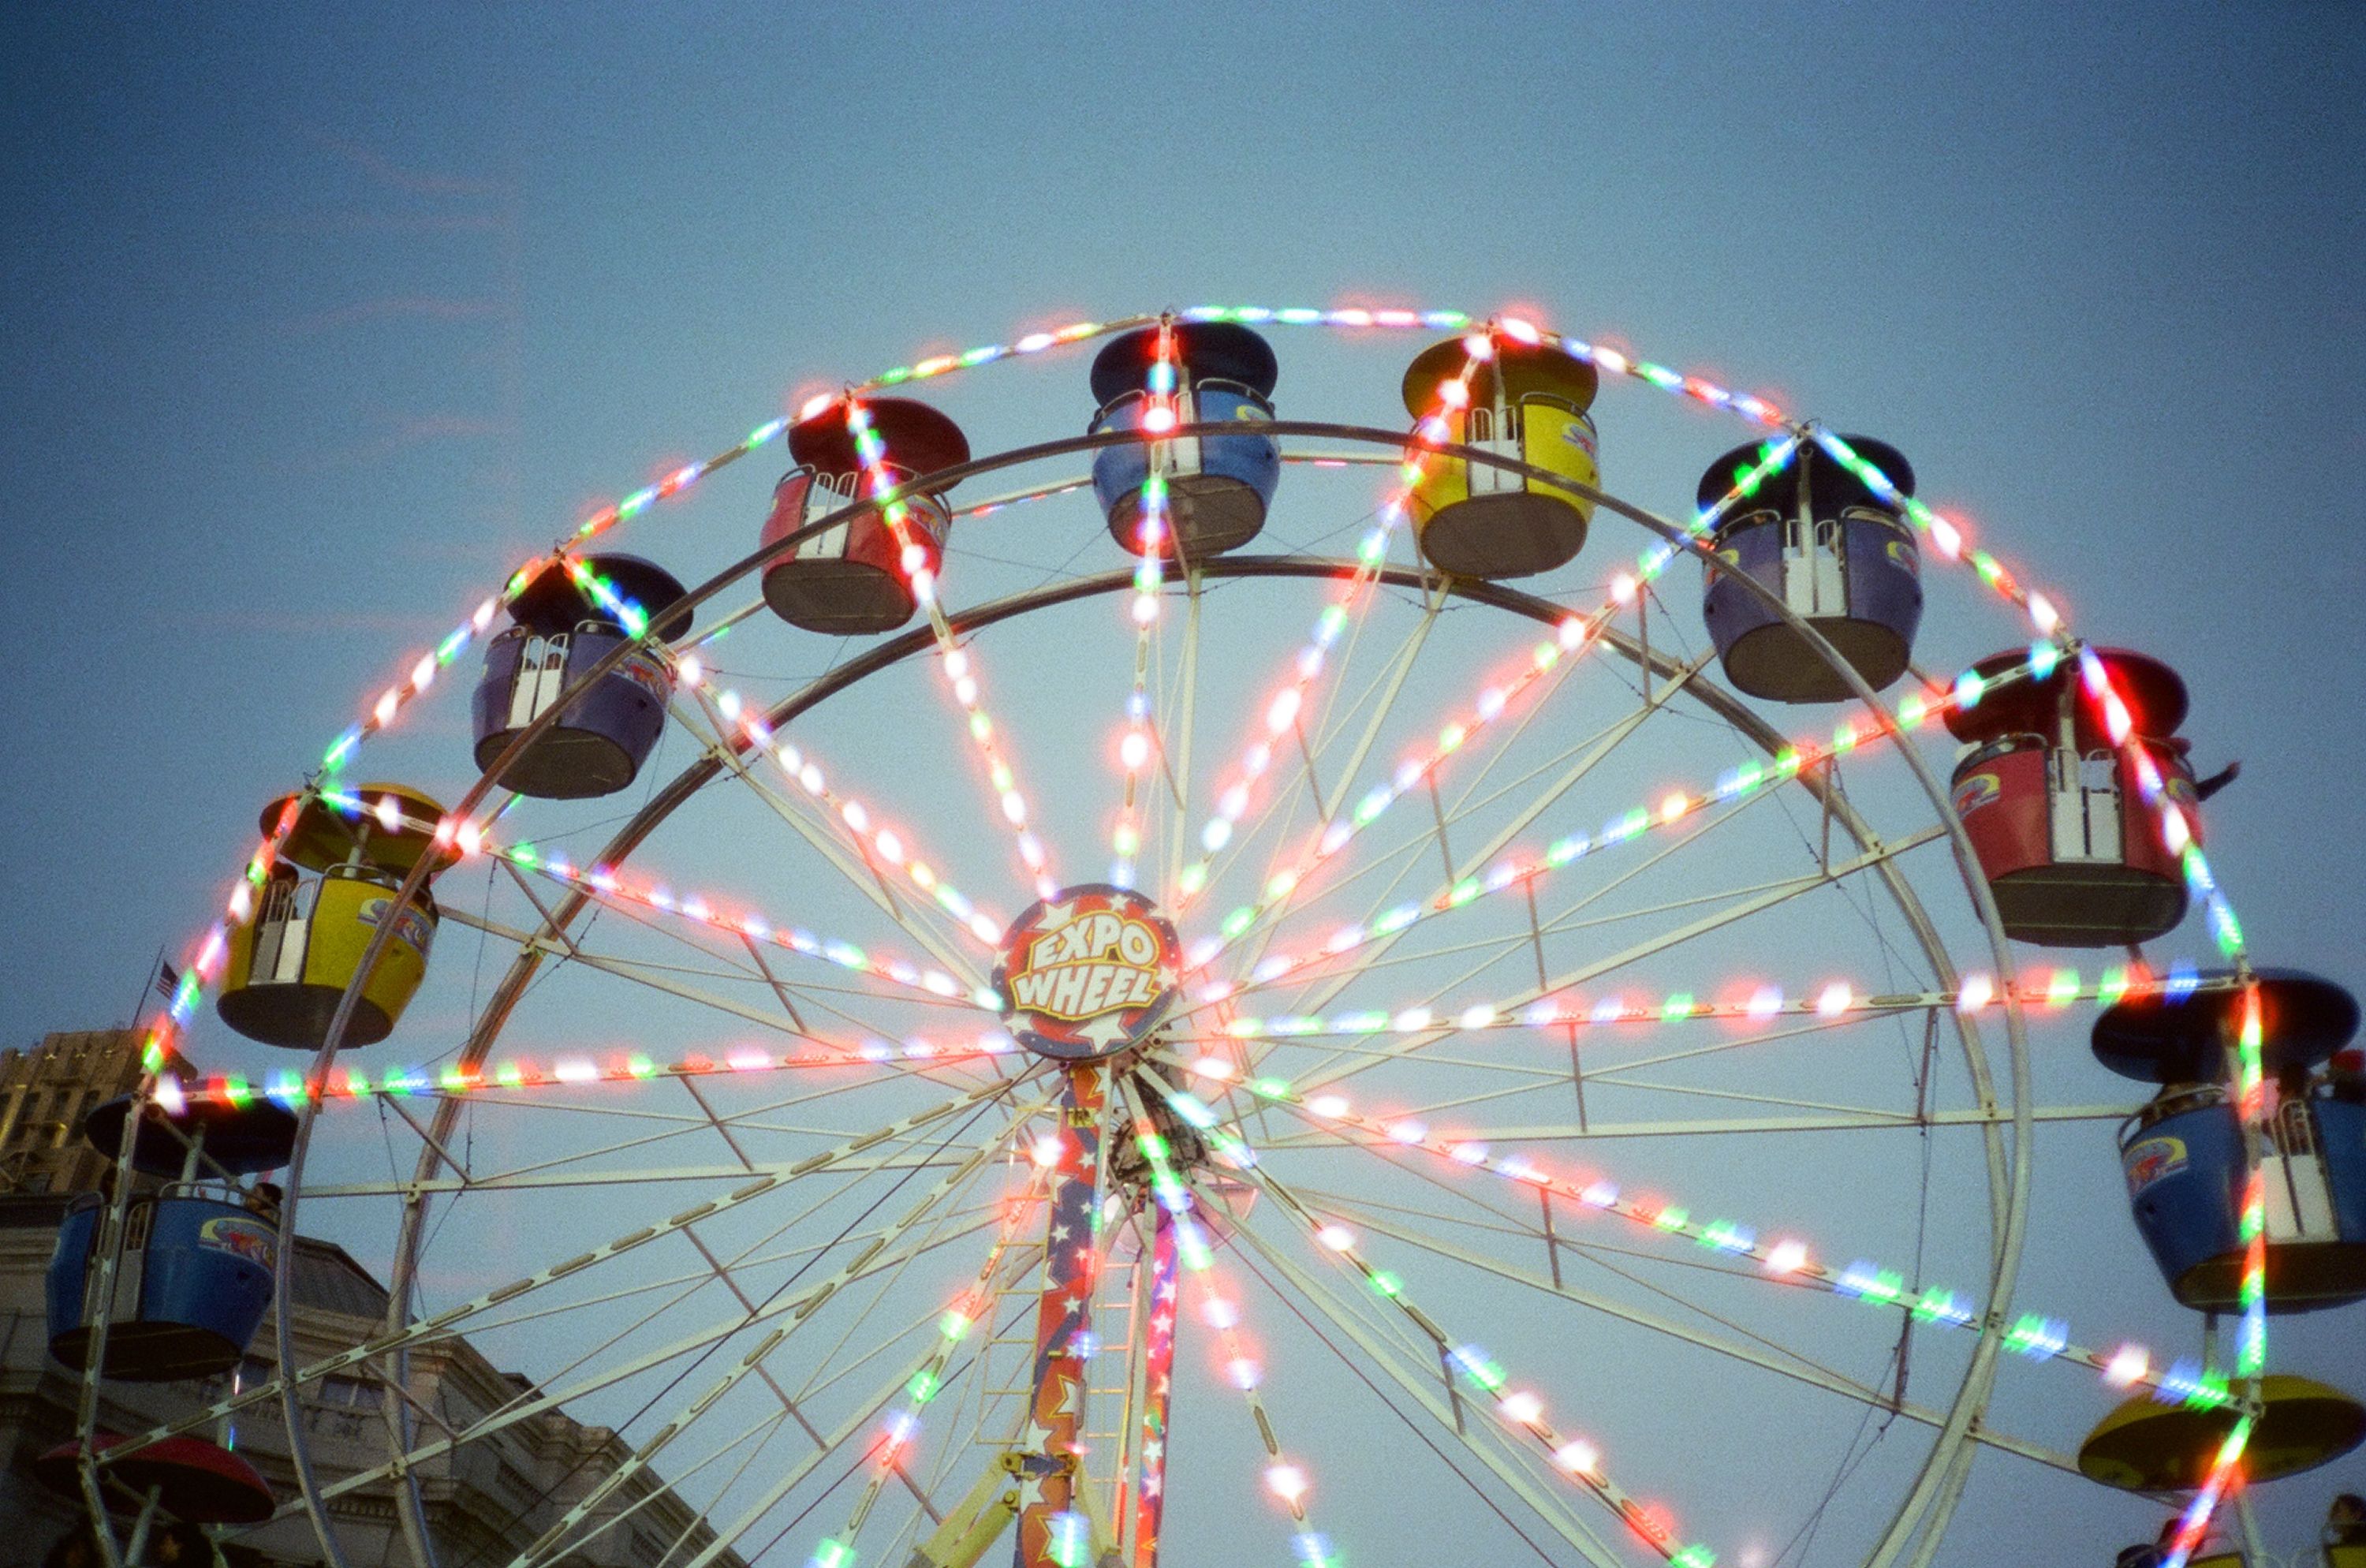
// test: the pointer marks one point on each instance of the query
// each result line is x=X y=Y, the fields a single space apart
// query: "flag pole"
x=146 y=985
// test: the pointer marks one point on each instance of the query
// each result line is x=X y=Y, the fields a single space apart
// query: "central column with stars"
x=1085 y=978
x=1053 y=1531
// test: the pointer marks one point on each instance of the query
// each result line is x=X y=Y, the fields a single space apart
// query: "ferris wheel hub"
x=1088 y=973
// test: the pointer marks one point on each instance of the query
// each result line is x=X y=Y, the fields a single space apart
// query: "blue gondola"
x=2182 y=1155
x=194 y=1277
x=1839 y=556
x=1218 y=487
x=598 y=745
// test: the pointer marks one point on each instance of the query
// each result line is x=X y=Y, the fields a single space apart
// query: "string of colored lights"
x=892 y=846
x=1575 y=636
x=2052 y=990
x=2251 y=1339
x=1139 y=739
x=1700 y=389
x=603 y=884
x=955 y=661
x=1519 y=1410
x=1523 y=870
x=1281 y=714
x=1284 y=1478
x=902 y=1429
x=355 y=1084
x=2031 y=1335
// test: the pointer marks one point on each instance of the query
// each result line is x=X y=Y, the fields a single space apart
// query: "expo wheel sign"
x=1088 y=973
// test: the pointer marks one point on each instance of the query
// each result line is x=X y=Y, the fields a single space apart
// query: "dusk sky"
x=318 y=321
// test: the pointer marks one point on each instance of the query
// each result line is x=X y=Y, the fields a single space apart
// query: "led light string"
x=1139 y=739
x=601 y=883
x=2031 y=1335
x=1672 y=806
x=355 y=1084
x=902 y=1429
x=2050 y=989
x=204 y=966
x=1282 y=712
x=1700 y=389
x=1285 y=1479
x=606 y=887
x=1575 y=636
x=954 y=661
x=1518 y=1409
x=733 y=712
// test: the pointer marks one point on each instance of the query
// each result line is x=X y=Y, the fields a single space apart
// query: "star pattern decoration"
x=1113 y=1029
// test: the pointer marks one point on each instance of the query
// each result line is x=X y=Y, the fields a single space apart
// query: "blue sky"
x=318 y=321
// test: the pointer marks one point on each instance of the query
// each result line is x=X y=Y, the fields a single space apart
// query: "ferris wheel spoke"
x=1275 y=893
x=546 y=1398
x=662 y=977
x=1424 y=1389
x=1519 y=1415
x=1352 y=604
x=849 y=840
x=832 y=1443
x=1175 y=758
x=884 y=1250
x=1784 y=1360
x=1513 y=696
x=1725 y=915
x=1226 y=839
x=440 y=1325
x=1597 y=1129
x=1787 y=1263
x=693 y=1529
x=926 y=1384
x=908 y=1140
x=754 y=1363
x=714 y=933
x=1378 y=933
x=846 y=831
x=1789 y=1363
x=1401 y=1221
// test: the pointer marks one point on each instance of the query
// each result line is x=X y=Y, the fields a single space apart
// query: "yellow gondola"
x=1526 y=401
x=2143 y=1446
x=292 y=959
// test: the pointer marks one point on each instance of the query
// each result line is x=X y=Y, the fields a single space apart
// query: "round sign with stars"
x=1088 y=974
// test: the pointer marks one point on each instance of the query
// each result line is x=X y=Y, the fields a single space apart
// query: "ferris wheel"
x=1324 y=989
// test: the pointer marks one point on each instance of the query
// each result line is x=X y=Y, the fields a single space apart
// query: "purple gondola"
x=597 y=746
x=1840 y=558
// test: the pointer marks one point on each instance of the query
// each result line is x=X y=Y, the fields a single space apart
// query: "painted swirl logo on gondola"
x=1088 y=974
